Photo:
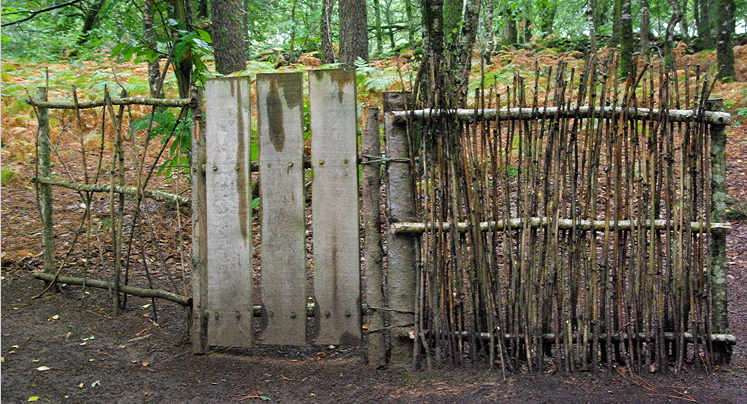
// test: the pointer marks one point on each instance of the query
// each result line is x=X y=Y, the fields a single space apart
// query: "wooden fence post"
x=198 y=317
x=401 y=247
x=45 y=190
x=373 y=250
x=718 y=239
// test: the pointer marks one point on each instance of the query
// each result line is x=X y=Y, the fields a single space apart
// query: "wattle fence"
x=583 y=231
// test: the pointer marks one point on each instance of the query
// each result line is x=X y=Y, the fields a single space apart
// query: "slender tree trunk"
x=90 y=20
x=626 y=37
x=377 y=27
x=328 y=50
x=617 y=13
x=591 y=15
x=547 y=18
x=353 y=31
x=412 y=23
x=181 y=12
x=154 y=67
x=669 y=39
x=685 y=24
x=705 y=23
x=512 y=33
x=228 y=35
x=490 y=26
x=724 y=46
x=203 y=10
x=645 y=27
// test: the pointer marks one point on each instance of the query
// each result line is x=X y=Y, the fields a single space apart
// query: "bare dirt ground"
x=69 y=347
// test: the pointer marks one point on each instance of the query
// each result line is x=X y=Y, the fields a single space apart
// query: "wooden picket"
x=280 y=119
x=229 y=216
x=335 y=206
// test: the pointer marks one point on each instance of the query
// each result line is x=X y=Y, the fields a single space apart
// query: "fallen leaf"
x=43 y=368
x=15 y=346
x=33 y=398
x=34 y=360
x=96 y=383
x=56 y=317
x=146 y=306
x=145 y=363
x=123 y=346
x=81 y=385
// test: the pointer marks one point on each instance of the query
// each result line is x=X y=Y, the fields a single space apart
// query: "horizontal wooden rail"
x=162 y=294
x=130 y=290
x=643 y=114
x=728 y=339
x=159 y=196
x=565 y=224
x=156 y=102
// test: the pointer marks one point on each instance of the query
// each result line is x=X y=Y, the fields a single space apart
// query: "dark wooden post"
x=718 y=239
x=401 y=247
x=45 y=190
x=373 y=250
x=199 y=315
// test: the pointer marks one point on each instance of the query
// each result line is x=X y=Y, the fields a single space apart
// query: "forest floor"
x=69 y=347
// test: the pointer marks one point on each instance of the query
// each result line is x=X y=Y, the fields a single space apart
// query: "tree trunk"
x=705 y=24
x=724 y=46
x=353 y=31
x=154 y=67
x=490 y=26
x=615 y=38
x=626 y=40
x=180 y=11
x=669 y=39
x=547 y=18
x=411 y=23
x=377 y=22
x=512 y=33
x=228 y=36
x=645 y=27
x=328 y=50
x=593 y=29
x=685 y=24
x=90 y=20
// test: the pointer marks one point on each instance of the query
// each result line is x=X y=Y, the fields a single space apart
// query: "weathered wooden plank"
x=199 y=316
x=284 y=279
x=335 y=206
x=229 y=231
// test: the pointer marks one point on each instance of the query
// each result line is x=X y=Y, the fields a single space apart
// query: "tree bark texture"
x=154 y=67
x=674 y=5
x=724 y=43
x=328 y=51
x=353 y=31
x=626 y=37
x=229 y=35
x=704 y=20
x=645 y=27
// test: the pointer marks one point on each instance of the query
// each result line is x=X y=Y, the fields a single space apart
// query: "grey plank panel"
x=281 y=143
x=332 y=101
x=229 y=216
